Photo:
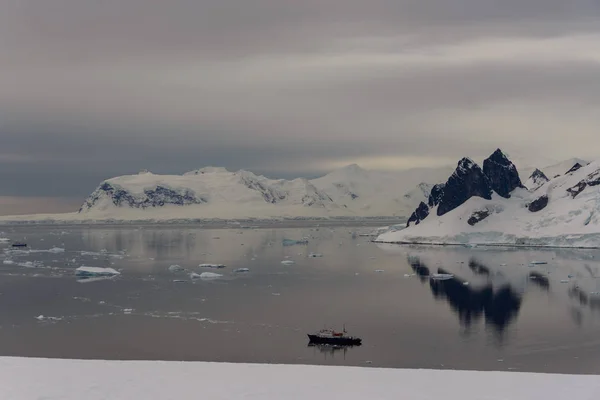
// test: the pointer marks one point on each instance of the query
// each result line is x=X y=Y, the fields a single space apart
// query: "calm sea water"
x=498 y=313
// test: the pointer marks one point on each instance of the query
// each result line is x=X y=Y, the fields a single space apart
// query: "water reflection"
x=500 y=306
x=540 y=280
x=329 y=350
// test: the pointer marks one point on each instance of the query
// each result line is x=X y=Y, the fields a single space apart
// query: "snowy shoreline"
x=511 y=245
x=216 y=222
x=34 y=378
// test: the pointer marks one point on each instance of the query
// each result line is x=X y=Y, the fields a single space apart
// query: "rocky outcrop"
x=538 y=204
x=468 y=180
x=419 y=215
x=592 y=179
x=436 y=194
x=502 y=173
x=478 y=216
x=155 y=197
x=574 y=168
x=536 y=180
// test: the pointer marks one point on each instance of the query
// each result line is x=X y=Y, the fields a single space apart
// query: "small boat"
x=19 y=244
x=332 y=337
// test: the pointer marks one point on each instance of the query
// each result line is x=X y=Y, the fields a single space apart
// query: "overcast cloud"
x=91 y=89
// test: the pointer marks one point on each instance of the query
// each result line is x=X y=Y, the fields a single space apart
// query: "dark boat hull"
x=337 y=341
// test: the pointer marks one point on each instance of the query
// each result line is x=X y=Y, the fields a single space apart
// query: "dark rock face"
x=538 y=204
x=270 y=195
x=157 y=197
x=502 y=173
x=478 y=216
x=468 y=180
x=537 y=179
x=436 y=194
x=574 y=168
x=592 y=179
x=419 y=215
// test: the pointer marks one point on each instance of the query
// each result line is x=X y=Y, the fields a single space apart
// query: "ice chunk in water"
x=176 y=268
x=212 y=266
x=288 y=262
x=242 y=270
x=292 y=242
x=95 y=271
x=8 y=262
x=379 y=270
x=315 y=255
x=205 y=275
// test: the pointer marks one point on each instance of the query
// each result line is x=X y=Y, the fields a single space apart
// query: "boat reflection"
x=330 y=350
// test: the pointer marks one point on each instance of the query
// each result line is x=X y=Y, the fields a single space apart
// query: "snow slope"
x=31 y=378
x=215 y=193
x=372 y=193
x=571 y=217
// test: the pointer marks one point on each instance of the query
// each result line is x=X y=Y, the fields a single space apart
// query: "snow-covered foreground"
x=31 y=378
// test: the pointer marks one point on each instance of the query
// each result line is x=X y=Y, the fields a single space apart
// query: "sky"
x=93 y=89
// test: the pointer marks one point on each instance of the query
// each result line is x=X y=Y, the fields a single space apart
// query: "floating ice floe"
x=441 y=277
x=288 y=262
x=96 y=271
x=4 y=240
x=379 y=270
x=31 y=264
x=176 y=268
x=179 y=281
x=205 y=275
x=8 y=262
x=292 y=242
x=212 y=266
x=241 y=270
x=44 y=318
x=315 y=255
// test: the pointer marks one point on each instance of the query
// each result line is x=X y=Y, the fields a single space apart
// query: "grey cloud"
x=93 y=89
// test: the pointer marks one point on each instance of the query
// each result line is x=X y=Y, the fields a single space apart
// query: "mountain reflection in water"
x=500 y=306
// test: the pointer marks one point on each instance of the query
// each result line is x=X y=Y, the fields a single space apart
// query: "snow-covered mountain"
x=491 y=205
x=214 y=192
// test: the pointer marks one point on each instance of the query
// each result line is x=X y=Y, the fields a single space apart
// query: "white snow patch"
x=158 y=380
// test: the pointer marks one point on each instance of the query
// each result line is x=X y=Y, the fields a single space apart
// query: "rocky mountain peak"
x=502 y=174
x=468 y=180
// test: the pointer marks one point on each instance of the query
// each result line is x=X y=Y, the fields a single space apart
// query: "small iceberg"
x=315 y=255
x=241 y=270
x=288 y=262
x=4 y=240
x=216 y=266
x=205 y=275
x=292 y=242
x=176 y=268
x=8 y=262
x=441 y=277
x=379 y=270
x=96 y=271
